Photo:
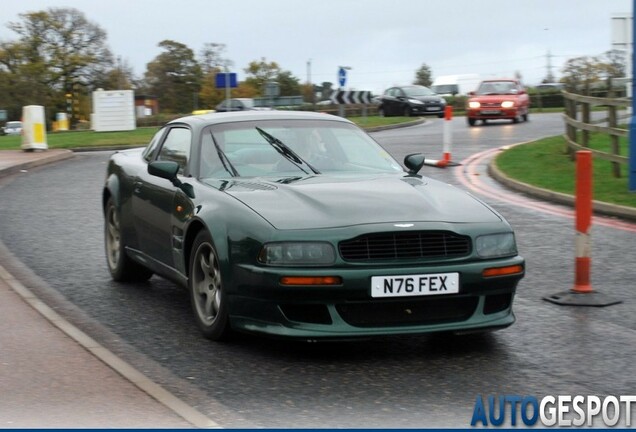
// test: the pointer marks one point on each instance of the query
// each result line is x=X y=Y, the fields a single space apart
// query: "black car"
x=411 y=100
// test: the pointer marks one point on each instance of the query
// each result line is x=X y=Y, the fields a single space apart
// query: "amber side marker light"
x=311 y=280
x=502 y=271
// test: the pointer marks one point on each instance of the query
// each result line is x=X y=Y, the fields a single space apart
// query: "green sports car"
x=300 y=225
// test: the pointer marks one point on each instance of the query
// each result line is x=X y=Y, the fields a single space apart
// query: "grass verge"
x=546 y=164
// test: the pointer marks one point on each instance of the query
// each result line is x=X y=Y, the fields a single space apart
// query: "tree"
x=580 y=73
x=261 y=72
x=423 y=76
x=119 y=77
x=614 y=63
x=174 y=76
x=212 y=58
x=212 y=61
x=58 y=50
x=288 y=84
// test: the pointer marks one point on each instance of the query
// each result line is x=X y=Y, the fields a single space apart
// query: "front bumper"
x=493 y=113
x=427 y=109
x=259 y=303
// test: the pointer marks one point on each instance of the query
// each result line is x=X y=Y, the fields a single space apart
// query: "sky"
x=383 y=42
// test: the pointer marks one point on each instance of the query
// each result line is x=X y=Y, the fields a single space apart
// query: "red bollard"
x=583 y=221
x=582 y=293
x=448 y=132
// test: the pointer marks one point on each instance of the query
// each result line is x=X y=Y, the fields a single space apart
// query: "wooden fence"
x=578 y=104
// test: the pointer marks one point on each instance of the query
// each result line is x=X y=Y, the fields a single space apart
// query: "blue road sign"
x=222 y=80
x=342 y=76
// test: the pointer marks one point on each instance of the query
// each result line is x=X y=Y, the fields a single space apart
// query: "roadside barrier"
x=447 y=140
x=33 y=128
x=582 y=293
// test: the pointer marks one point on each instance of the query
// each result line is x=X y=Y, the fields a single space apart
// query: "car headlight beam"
x=474 y=104
x=496 y=245
x=507 y=104
x=297 y=254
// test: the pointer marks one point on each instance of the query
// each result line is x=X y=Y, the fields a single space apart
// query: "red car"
x=498 y=99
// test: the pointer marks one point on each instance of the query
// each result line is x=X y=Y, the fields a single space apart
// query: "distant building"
x=146 y=105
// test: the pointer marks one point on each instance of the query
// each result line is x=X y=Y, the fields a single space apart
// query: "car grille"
x=391 y=246
x=391 y=313
x=491 y=104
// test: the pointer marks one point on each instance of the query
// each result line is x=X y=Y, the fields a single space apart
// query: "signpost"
x=632 y=126
x=342 y=80
x=227 y=80
x=342 y=76
x=349 y=97
x=623 y=37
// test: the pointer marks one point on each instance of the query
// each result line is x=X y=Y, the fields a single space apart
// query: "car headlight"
x=496 y=245
x=297 y=254
x=416 y=101
x=507 y=104
x=473 y=104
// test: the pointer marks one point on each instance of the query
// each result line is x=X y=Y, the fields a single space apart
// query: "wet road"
x=50 y=220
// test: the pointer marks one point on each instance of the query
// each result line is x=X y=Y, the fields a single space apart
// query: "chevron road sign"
x=351 y=97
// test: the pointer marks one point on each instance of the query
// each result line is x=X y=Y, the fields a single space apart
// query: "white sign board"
x=113 y=110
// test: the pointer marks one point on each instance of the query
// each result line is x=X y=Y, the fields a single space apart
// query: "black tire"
x=440 y=115
x=381 y=112
x=121 y=267
x=525 y=117
x=207 y=296
x=407 y=111
x=471 y=121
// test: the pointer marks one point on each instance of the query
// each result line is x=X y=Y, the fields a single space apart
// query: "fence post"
x=570 y=107
x=616 y=167
x=585 y=134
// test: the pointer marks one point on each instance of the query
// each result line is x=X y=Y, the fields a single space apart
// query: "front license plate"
x=433 y=108
x=491 y=112
x=415 y=285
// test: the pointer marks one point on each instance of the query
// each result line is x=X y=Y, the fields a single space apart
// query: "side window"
x=176 y=147
x=151 y=150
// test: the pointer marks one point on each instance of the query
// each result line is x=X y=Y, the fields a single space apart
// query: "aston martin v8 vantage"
x=300 y=225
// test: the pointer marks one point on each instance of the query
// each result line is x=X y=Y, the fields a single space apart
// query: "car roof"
x=501 y=79
x=201 y=120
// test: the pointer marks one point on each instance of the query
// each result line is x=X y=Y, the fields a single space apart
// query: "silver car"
x=13 y=128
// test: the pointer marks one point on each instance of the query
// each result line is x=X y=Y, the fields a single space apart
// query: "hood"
x=330 y=202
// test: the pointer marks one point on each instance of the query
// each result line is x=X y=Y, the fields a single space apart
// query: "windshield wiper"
x=227 y=165
x=288 y=153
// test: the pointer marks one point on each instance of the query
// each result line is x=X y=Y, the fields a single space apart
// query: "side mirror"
x=165 y=169
x=168 y=170
x=414 y=162
x=471 y=93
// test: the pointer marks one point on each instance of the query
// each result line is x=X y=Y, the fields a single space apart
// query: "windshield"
x=414 y=91
x=497 y=87
x=14 y=124
x=247 y=103
x=446 y=89
x=240 y=149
